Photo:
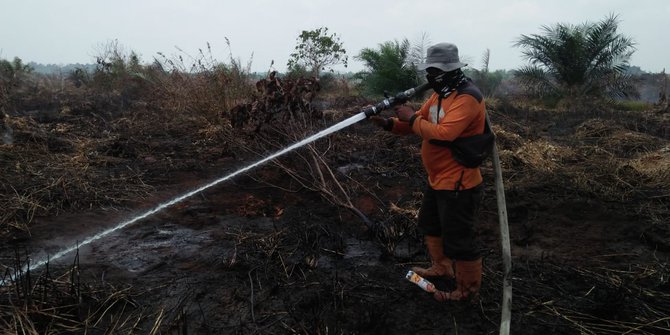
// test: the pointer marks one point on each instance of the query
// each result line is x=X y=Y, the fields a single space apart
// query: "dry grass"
x=43 y=174
x=97 y=146
x=89 y=146
x=46 y=304
x=654 y=166
x=540 y=155
x=591 y=300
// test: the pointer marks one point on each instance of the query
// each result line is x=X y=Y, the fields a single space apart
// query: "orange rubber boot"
x=468 y=281
x=441 y=265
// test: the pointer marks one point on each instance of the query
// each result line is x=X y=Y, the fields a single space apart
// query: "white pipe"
x=506 y=313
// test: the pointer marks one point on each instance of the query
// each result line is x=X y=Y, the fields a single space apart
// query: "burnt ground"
x=269 y=253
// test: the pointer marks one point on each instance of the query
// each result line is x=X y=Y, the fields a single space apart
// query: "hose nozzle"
x=398 y=99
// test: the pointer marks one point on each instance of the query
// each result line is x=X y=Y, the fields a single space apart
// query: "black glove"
x=382 y=122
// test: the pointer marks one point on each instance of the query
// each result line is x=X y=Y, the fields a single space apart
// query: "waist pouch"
x=470 y=151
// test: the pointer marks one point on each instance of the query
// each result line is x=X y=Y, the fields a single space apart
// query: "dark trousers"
x=451 y=215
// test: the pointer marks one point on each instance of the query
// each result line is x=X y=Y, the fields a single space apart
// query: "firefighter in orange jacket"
x=450 y=202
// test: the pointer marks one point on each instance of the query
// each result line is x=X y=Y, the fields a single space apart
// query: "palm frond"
x=536 y=80
x=579 y=59
x=389 y=67
x=485 y=60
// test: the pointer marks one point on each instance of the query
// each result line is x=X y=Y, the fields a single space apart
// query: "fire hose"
x=506 y=310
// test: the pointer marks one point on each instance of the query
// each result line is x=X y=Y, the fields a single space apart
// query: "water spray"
x=389 y=102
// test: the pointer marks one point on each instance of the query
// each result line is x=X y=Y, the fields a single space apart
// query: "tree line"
x=564 y=61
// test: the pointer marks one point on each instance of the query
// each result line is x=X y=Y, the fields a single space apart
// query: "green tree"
x=389 y=67
x=577 y=60
x=317 y=50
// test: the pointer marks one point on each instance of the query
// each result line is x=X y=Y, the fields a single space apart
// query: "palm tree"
x=487 y=81
x=577 y=61
x=388 y=68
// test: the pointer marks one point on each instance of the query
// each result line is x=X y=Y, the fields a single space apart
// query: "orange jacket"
x=462 y=114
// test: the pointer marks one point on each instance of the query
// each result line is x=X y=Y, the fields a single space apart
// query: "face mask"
x=437 y=82
x=445 y=82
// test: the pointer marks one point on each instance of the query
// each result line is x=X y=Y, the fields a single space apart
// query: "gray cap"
x=443 y=56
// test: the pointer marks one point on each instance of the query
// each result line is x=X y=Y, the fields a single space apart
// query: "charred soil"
x=319 y=241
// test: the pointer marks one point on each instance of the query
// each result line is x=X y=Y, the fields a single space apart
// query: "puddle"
x=140 y=251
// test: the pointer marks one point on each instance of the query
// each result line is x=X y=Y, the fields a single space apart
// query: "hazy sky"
x=71 y=31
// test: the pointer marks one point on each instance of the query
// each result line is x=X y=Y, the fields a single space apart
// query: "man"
x=447 y=214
